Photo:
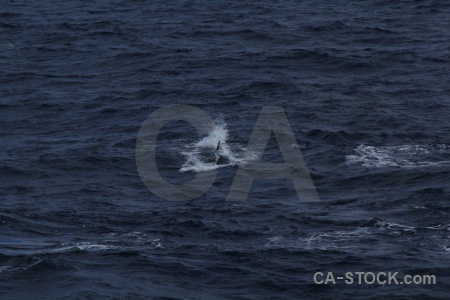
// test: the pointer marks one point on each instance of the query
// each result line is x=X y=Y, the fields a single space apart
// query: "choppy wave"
x=78 y=78
x=361 y=239
x=110 y=241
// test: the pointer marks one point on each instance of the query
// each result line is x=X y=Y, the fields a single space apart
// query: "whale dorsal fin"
x=218 y=146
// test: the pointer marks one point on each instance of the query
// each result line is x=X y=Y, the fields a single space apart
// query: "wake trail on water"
x=401 y=156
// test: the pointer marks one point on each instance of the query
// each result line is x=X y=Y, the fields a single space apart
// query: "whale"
x=221 y=159
x=216 y=156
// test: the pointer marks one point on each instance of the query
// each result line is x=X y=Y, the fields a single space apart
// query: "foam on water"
x=31 y=263
x=80 y=247
x=339 y=239
x=357 y=239
x=110 y=241
x=401 y=156
x=198 y=156
x=5 y=268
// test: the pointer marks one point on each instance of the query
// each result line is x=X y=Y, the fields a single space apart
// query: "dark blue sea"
x=365 y=86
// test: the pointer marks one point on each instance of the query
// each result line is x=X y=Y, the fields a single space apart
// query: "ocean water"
x=366 y=89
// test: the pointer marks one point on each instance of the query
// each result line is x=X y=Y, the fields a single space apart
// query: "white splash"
x=196 y=155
